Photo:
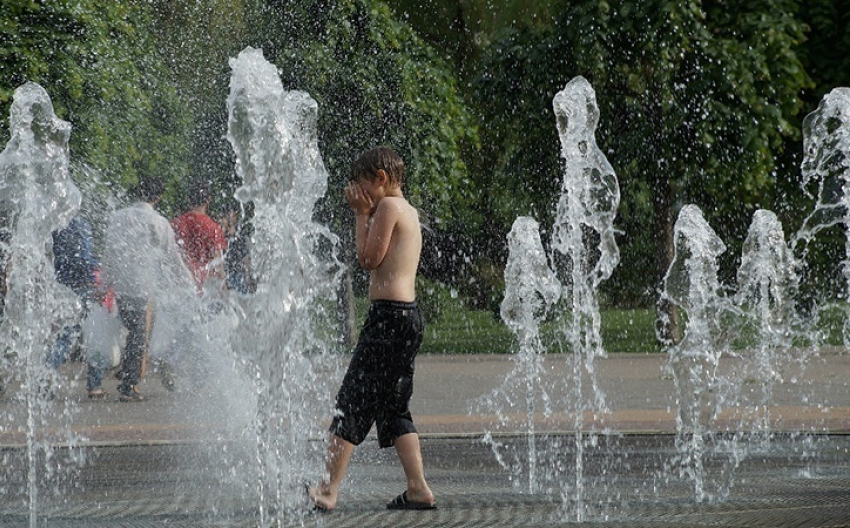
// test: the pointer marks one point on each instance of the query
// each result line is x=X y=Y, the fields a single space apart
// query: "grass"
x=459 y=330
x=631 y=330
x=468 y=332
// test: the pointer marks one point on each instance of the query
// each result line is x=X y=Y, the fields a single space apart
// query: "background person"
x=142 y=264
x=237 y=258
x=76 y=268
x=200 y=238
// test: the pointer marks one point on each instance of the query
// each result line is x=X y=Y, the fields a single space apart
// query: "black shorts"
x=379 y=381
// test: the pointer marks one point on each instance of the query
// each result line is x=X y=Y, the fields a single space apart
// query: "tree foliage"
x=701 y=101
x=826 y=58
x=98 y=64
x=695 y=97
x=826 y=51
x=377 y=82
x=195 y=39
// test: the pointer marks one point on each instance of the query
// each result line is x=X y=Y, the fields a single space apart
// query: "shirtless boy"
x=379 y=381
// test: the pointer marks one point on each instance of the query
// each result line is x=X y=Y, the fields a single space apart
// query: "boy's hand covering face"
x=359 y=201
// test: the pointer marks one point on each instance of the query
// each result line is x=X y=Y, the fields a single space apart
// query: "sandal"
x=401 y=502
x=133 y=396
x=97 y=394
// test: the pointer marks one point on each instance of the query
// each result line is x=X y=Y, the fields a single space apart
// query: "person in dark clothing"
x=5 y=237
x=237 y=258
x=76 y=268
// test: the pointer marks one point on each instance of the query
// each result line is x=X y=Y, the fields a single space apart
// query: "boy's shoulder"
x=396 y=203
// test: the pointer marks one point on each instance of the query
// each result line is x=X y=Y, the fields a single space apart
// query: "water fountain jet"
x=767 y=285
x=826 y=164
x=37 y=197
x=584 y=251
x=274 y=330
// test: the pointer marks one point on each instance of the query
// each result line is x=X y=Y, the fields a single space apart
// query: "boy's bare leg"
x=410 y=455
x=339 y=453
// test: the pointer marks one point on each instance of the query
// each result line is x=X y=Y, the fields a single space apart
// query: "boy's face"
x=374 y=187
x=368 y=187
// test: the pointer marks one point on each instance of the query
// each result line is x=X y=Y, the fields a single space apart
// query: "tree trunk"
x=667 y=323
x=346 y=312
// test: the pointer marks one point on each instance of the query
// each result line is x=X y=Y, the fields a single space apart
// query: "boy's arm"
x=373 y=229
x=373 y=234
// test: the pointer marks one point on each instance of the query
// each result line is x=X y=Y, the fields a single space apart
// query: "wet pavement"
x=158 y=463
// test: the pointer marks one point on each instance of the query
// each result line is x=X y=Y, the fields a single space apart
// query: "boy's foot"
x=133 y=395
x=322 y=498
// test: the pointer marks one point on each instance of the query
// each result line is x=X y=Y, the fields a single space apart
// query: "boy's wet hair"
x=371 y=161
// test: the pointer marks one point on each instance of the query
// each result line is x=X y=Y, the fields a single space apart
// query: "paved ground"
x=451 y=396
x=160 y=463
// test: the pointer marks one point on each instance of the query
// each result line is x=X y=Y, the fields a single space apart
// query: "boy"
x=379 y=381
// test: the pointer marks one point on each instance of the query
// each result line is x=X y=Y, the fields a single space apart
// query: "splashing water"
x=584 y=252
x=531 y=290
x=767 y=284
x=691 y=284
x=36 y=198
x=273 y=132
x=826 y=163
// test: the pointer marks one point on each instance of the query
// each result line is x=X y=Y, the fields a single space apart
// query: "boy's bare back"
x=389 y=241
x=394 y=277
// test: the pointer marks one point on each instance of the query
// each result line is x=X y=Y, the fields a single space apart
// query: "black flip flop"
x=401 y=502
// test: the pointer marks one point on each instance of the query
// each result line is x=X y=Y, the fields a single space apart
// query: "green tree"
x=96 y=61
x=825 y=54
x=826 y=51
x=460 y=29
x=376 y=82
x=696 y=99
x=196 y=38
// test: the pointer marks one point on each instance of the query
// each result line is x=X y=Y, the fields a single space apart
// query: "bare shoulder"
x=397 y=206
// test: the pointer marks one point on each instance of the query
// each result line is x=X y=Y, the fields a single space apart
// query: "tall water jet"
x=691 y=284
x=584 y=251
x=826 y=164
x=37 y=197
x=767 y=285
x=531 y=290
x=273 y=132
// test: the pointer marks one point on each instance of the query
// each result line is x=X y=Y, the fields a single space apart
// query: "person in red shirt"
x=200 y=238
x=202 y=242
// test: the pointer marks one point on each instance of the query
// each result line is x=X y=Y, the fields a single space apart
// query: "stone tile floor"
x=797 y=481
